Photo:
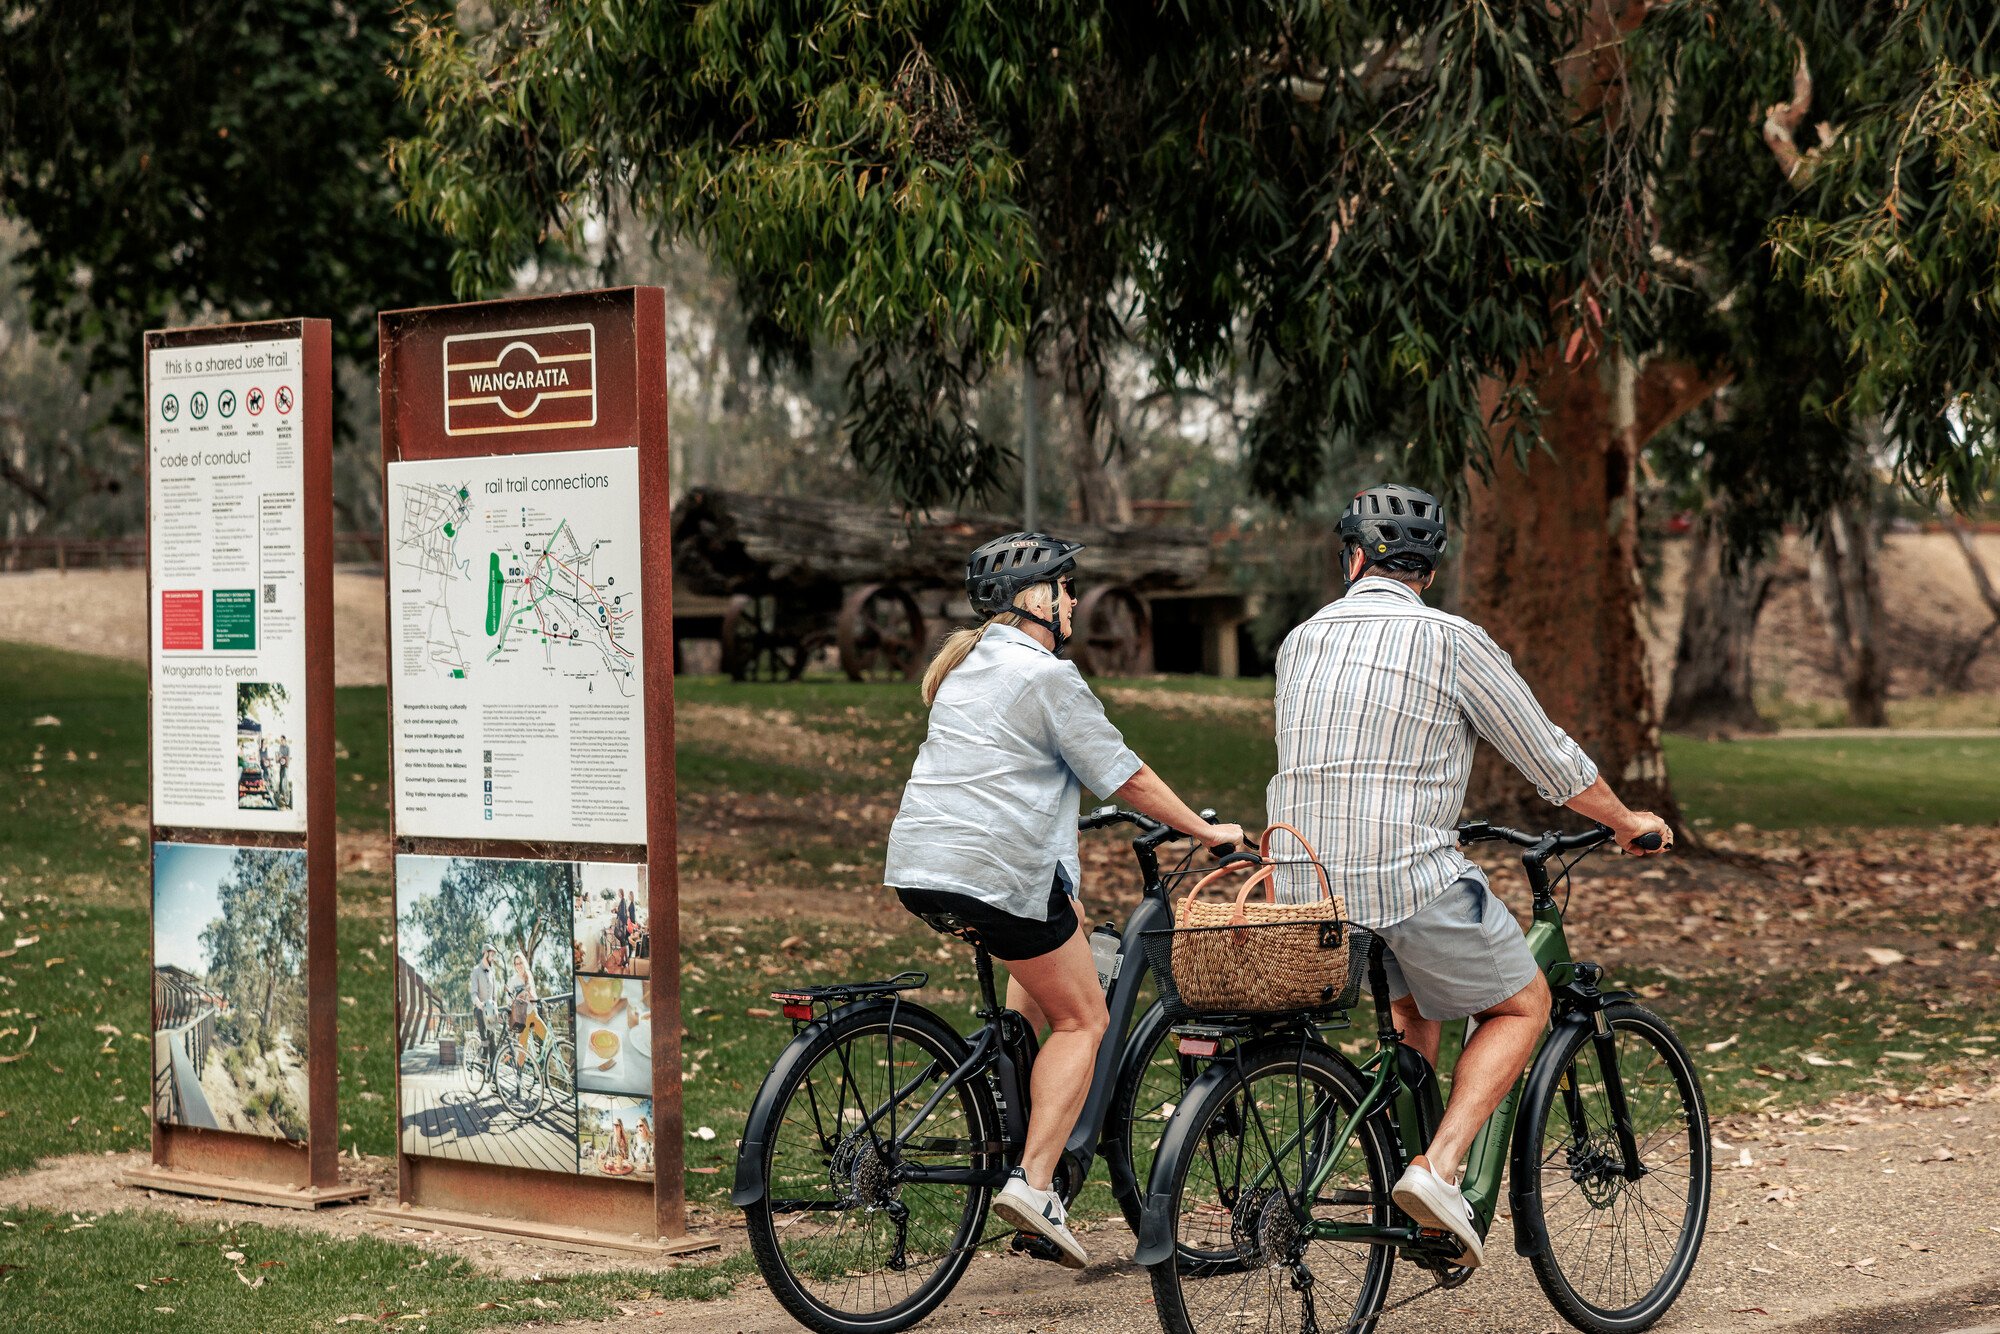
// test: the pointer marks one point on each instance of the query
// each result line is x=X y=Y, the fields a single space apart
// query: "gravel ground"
x=1892 y=1222
x=1881 y=1218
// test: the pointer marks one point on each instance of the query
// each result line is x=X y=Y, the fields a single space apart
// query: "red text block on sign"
x=181 y=619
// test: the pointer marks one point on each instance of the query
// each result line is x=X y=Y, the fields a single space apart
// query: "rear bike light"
x=1199 y=1046
x=798 y=1011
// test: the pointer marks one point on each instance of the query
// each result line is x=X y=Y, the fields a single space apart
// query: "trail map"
x=515 y=587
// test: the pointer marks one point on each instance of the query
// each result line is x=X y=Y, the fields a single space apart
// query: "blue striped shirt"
x=1379 y=701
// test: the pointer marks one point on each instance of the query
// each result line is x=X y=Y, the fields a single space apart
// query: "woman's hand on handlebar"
x=1222 y=838
x=1629 y=832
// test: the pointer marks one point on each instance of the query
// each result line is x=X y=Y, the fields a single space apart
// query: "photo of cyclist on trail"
x=1380 y=700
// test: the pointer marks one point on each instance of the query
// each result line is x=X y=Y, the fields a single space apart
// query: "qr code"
x=270 y=594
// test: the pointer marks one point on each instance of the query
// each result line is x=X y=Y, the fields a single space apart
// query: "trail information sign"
x=518 y=633
x=239 y=521
x=227 y=568
x=525 y=513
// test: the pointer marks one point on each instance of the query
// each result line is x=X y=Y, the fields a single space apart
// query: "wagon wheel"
x=760 y=644
x=1114 y=634
x=881 y=634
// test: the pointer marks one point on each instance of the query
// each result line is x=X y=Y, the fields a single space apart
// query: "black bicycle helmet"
x=996 y=573
x=1398 y=527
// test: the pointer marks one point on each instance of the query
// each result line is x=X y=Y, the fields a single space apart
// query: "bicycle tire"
x=1201 y=1298
x=813 y=1160
x=559 y=1073
x=474 y=1057
x=1661 y=1116
x=516 y=1081
x=1132 y=1130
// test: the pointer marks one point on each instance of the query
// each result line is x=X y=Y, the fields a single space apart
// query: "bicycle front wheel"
x=1258 y=1135
x=515 y=1080
x=847 y=1247
x=1619 y=1248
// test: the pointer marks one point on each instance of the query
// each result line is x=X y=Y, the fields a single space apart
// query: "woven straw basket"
x=1259 y=958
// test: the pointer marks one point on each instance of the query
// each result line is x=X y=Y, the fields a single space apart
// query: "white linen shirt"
x=990 y=809
x=1379 y=700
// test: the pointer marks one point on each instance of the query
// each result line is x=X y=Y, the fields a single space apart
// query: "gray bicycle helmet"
x=997 y=572
x=1396 y=527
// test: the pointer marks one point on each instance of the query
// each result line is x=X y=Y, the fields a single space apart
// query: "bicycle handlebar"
x=1151 y=832
x=1479 y=831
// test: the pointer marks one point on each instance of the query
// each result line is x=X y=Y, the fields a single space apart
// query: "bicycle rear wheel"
x=1619 y=1251
x=1255 y=1130
x=846 y=1248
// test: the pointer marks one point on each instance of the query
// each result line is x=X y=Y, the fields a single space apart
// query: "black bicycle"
x=875 y=1142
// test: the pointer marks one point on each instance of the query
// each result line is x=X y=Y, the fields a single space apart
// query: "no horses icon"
x=253 y=401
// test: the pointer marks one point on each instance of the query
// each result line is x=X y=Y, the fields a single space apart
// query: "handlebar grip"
x=1647 y=843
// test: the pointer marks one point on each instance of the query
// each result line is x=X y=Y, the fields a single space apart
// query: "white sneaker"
x=1039 y=1212
x=1434 y=1202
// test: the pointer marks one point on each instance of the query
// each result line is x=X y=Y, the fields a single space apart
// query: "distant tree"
x=200 y=160
x=516 y=905
x=257 y=945
x=1514 y=239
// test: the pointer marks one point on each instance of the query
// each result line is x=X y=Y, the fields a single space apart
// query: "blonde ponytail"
x=959 y=643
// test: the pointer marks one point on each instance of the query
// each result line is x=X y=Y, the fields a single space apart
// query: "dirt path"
x=1876 y=1217
x=1890 y=1222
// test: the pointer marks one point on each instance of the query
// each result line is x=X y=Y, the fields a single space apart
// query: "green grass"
x=1867 y=782
x=123 y=1271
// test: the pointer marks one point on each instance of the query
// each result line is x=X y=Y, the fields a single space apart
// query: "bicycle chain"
x=1381 y=1311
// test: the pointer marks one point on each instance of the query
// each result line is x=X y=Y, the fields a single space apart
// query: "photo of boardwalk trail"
x=229 y=990
x=484 y=999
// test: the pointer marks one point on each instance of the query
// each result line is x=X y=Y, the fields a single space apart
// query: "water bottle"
x=1104 y=945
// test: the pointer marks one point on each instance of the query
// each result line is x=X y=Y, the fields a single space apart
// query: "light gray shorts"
x=1461 y=955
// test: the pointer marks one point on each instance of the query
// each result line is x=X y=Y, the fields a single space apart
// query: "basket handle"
x=1228 y=868
x=1264 y=849
x=1242 y=916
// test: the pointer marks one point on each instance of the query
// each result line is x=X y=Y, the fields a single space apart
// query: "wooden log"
x=738 y=542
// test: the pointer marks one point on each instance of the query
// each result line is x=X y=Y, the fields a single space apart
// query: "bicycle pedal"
x=1036 y=1247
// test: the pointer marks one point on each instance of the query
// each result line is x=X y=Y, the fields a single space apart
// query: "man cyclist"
x=484 y=985
x=1379 y=700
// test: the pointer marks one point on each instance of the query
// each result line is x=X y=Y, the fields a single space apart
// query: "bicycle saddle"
x=951 y=924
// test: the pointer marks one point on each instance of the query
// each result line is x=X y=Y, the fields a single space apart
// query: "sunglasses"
x=1068 y=587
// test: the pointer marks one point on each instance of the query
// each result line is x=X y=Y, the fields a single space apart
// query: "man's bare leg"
x=1494 y=1057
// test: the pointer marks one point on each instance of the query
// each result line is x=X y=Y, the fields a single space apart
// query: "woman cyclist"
x=987 y=830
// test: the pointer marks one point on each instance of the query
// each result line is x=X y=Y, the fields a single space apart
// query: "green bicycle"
x=1269 y=1205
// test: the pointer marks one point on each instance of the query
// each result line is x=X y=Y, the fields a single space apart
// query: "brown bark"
x=1087 y=432
x=1847 y=587
x=1550 y=569
x=1957 y=674
x=1713 y=684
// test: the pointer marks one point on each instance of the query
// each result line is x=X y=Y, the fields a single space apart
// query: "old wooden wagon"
x=786 y=578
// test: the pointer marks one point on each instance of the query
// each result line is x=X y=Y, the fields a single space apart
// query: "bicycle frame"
x=989 y=1048
x=1390 y=1096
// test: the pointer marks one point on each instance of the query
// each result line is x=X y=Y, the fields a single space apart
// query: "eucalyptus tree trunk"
x=1846 y=585
x=1712 y=689
x=1551 y=570
x=1085 y=426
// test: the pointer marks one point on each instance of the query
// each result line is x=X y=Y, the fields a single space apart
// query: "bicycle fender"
x=1156 y=1229
x=1532 y=1238
x=750 y=1184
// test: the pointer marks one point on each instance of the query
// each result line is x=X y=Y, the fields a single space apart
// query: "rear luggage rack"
x=801 y=1001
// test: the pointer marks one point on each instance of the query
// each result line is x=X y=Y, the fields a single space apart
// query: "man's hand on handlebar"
x=1629 y=832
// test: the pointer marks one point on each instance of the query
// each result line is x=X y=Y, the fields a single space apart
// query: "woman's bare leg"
x=1062 y=984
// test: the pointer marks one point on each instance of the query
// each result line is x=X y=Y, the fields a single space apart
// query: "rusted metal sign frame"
x=223 y=1164
x=629 y=411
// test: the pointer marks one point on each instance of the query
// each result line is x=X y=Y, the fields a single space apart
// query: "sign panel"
x=517 y=643
x=521 y=380
x=525 y=1014
x=230 y=1017
x=228 y=563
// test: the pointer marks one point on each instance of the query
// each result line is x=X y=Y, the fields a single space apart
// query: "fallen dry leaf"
x=1885 y=958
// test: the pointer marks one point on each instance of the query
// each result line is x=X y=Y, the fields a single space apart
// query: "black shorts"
x=1006 y=937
